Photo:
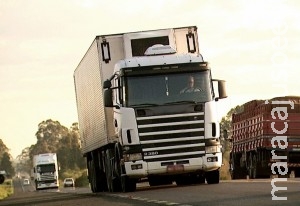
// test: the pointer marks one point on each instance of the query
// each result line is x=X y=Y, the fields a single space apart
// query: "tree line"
x=6 y=163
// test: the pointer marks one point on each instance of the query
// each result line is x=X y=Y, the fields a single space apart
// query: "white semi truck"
x=45 y=171
x=135 y=122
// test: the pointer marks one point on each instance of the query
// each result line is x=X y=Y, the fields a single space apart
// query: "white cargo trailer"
x=135 y=120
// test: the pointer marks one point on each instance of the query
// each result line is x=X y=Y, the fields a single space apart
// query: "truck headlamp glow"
x=133 y=157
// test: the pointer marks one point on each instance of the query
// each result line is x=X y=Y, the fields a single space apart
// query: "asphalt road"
x=27 y=195
x=241 y=192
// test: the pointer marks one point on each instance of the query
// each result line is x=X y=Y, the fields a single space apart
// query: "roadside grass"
x=6 y=189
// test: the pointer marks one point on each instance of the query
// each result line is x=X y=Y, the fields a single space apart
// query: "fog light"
x=212 y=159
x=137 y=167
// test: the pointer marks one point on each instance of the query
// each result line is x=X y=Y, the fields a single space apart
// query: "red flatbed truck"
x=265 y=135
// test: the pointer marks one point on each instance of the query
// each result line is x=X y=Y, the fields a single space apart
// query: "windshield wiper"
x=144 y=105
x=181 y=102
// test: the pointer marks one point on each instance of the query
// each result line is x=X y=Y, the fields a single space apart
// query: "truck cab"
x=163 y=127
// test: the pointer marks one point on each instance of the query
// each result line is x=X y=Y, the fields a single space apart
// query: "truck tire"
x=113 y=181
x=92 y=178
x=212 y=177
x=108 y=171
x=252 y=166
x=2 y=178
x=96 y=174
x=36 y=186
x=127 y=184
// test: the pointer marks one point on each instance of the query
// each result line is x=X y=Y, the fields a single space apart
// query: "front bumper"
x=208 y=162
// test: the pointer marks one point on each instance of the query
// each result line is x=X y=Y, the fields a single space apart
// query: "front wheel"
x=212 y=177
x=36 y=186
x=109 y=171
x=127 y=184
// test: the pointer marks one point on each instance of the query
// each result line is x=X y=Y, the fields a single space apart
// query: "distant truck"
x=135 y=121
x=255 y=138
x=45 y=171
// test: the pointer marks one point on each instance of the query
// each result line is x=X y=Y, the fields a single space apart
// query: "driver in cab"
x=190 y=86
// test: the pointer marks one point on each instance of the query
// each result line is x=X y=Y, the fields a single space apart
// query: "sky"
x=253 y=45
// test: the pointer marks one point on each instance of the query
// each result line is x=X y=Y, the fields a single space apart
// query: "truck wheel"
x=232 y=167
x=253 y=167
x=212 y=177
x=113 y=181
x=108 y=171
x=100 y=178
x=127 y=184
x=92 y=177
x=2 y=179
x=36 y=186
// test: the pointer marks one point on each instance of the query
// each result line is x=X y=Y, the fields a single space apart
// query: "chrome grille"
x=45 y=177
x=172 y=137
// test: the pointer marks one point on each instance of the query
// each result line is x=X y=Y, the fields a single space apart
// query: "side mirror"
x=108 y=94
x=222 y=89
x=107 y=84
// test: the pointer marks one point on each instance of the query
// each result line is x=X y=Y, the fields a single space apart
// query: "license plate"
x=175 y=168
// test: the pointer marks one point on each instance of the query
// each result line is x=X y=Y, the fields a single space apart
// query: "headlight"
x=132 y=157
x=212 y=149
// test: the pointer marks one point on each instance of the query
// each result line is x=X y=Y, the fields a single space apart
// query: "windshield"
x=46 y=168
x=168 y=89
